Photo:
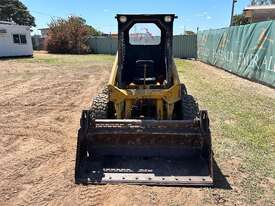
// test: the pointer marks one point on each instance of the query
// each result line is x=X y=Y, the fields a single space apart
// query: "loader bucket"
x=150 y=152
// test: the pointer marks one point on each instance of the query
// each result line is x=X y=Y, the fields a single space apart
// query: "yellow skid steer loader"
x=144 y=128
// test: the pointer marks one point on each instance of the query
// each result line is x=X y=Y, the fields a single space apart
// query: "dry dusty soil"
x=40 y=104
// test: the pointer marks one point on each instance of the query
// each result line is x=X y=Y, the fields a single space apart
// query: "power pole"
x=232 y=12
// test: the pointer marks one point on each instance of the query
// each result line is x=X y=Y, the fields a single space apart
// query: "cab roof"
x=146 y=16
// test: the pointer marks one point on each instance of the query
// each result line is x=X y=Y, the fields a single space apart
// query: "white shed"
x=15 y=40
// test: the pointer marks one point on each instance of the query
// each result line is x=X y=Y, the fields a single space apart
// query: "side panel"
x=112 y=79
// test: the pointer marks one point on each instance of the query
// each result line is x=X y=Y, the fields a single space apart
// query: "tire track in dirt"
x=91 y=195
x=44 y=93
x=15 y=169
x=38 y=120
x=15 y=90
x=8 y=85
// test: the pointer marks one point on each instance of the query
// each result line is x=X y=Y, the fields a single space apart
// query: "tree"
x=240 y=19
x=14 y=10
x=94 y=32
x=262 y=2
x=69 y=36
x=189 y=33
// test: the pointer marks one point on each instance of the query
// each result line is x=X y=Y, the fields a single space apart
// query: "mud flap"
x=150 y=152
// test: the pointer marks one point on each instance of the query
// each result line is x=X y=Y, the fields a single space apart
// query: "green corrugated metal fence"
x=103 y=45
x=248 y=51
x=184 y=46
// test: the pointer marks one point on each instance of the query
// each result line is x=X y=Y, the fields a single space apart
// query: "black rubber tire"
x=101 y=107
x=189 y=107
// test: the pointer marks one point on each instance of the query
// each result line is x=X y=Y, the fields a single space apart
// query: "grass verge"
x=63 y=59
x=243 y=127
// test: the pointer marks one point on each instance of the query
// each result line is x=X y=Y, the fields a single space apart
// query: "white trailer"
x=15 y=40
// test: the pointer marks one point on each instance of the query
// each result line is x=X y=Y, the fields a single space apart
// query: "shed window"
x=3 y=31
x=19 y=39
x=16 y=39
x=23 y=39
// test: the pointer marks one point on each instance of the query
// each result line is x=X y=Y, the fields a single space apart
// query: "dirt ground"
x=40 y=107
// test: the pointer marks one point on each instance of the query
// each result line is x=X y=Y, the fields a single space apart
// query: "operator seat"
x=145 y=72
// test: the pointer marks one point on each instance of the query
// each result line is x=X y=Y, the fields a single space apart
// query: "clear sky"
x=204 y=14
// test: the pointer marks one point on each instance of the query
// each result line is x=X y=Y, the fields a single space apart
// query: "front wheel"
x=187 y=108
x=101 y=107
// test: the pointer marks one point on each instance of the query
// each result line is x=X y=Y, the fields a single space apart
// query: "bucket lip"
x=138 y=123
x=134 y=179
x=145 y=171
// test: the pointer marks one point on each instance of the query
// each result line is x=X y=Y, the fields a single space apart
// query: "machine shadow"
x=220 y=181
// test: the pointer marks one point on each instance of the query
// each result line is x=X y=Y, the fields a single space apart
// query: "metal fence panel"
x=103 y=45
x=184 y=46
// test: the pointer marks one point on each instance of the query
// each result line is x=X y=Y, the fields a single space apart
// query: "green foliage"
x=189 y=33
x=94 y=32
x=240 y=19
x=69 y=36
x=14 y=10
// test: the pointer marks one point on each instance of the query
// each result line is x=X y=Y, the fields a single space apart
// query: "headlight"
x=123 y=19
x=167 y=19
